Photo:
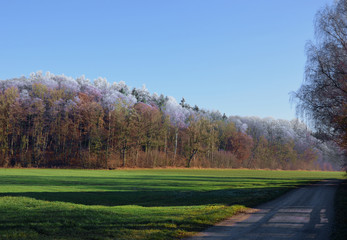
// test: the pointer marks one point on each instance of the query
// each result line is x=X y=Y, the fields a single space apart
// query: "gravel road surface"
x=304 y=213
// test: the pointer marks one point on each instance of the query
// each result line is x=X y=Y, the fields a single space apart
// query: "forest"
x=55 y=121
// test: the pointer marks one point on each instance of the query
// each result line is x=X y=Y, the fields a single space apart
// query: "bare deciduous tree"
x=322 y=98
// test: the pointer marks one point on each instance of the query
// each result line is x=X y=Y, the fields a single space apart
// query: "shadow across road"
x=305 y=213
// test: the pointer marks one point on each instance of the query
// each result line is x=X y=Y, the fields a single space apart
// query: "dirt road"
x=305 y=213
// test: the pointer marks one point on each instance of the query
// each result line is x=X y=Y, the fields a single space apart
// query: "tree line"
x=57 y=121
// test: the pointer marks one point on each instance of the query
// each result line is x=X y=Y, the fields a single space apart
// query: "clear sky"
x=241 y=57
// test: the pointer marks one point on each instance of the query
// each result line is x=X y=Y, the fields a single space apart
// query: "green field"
x=132 y=204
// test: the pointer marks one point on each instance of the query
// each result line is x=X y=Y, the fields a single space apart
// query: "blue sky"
x=241 y=57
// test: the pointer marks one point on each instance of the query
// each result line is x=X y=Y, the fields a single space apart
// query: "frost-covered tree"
x=49 y=120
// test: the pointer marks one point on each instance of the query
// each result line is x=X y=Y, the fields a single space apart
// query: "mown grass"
x=132 y=204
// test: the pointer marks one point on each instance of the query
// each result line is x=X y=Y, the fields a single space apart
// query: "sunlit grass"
x=132 y=204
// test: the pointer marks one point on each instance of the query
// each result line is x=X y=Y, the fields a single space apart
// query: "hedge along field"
x=133 y=204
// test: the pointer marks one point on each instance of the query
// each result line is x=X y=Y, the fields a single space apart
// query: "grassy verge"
x=132 y=204
x=340 y=225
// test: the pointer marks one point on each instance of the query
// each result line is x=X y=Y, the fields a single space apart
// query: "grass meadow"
x=133 y=204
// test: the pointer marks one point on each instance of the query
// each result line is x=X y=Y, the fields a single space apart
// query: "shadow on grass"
x=247 y=197
x=59 y=220
x=150 y=190
x=144 y=181
x=21 y=217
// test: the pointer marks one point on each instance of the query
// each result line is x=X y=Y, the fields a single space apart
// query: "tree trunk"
x=191 y=157
x=124 y=154
x=176 y=136
x=108 y=140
